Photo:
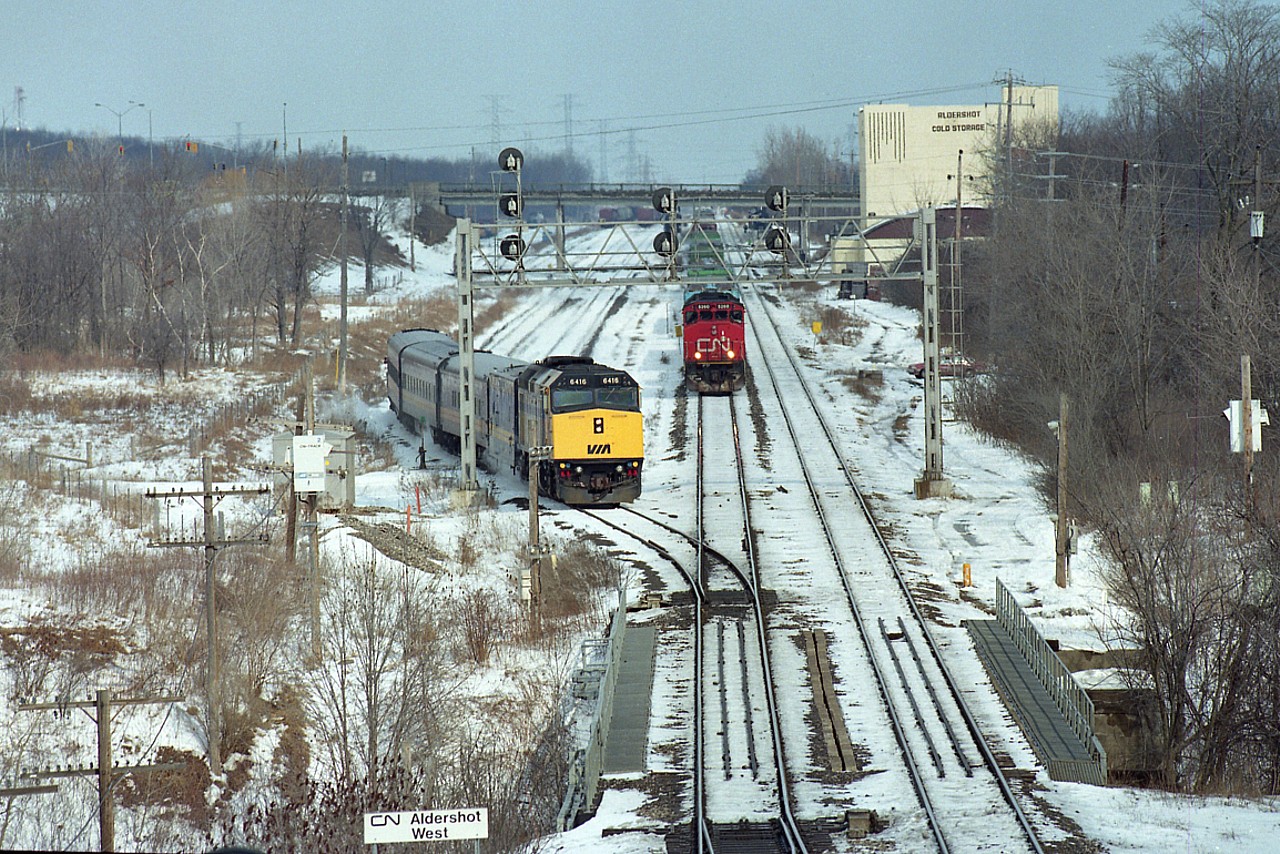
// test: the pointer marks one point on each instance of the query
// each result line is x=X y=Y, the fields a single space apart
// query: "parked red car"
x=951 y=366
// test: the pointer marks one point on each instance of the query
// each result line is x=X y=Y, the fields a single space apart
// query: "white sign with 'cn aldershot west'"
x=426 y=825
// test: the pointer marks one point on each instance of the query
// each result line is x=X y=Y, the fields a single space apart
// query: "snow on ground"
x=996 y=523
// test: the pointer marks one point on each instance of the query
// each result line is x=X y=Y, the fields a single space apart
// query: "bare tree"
x=290 y=214
x=372 y=219
x=1208 y=95
x=384 y=701
x=794 y=157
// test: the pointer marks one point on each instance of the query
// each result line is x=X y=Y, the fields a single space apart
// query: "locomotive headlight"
x=732 y=354
x=618 y=468
x=577 y=469
x=697 y=356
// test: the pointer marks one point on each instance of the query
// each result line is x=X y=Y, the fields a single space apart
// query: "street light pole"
x=120 y=114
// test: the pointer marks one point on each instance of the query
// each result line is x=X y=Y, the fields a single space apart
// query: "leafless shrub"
x=64 y=651
x=16 y=522
x=181 y=792
x=15 y=393
x=483 y=620
x=260 y=605
x=839 y=326
x=466 y=553
x=426 y=490
x=1200 y=607
x=518 y=777
x=327 y=815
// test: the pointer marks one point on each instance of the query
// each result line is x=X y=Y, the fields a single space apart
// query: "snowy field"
x=996 y=523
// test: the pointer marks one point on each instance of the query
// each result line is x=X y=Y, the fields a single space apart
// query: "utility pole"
x=1062 y=531
x=603 y=177
x=106 y=771
x=208 y=498
x=537 y=455
x=1246 y=425
x=1008 y=134
x=342 y=253
x=312 y=524
x=284 y=124
x=956 y=296
x=568 y=125
x=1256 y=228
x=302 y=472
x=1256 y=221
x=413 y=227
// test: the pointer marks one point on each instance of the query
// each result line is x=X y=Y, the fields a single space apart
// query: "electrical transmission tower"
x=604 y=153
x=568 y=125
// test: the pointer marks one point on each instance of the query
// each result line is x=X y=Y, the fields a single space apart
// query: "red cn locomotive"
x=715 y=359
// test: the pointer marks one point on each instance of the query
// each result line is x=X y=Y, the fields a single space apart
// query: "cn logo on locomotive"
x=714 y=345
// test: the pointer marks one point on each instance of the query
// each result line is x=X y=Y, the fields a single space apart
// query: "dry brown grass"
x=501 y=306
x=580 y=576
x=802 y=286
x=183 y=789
x=50 y=361
x=367 y=340
x=839 y=326
x=18 y=398
x=867 y=383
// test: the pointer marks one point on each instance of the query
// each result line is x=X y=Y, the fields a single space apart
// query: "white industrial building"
x=908 y=156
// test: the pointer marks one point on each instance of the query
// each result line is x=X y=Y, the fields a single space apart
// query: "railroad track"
x=740 y=791
x=965 y=802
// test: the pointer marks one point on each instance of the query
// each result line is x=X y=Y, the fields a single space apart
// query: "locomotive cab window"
x=721 y=314
x=618 y=398
x=569 y=399
x=736 y=315
x=690 y=317
x=704 y=314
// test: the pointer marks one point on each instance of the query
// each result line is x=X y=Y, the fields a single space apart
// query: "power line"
x=698 y=117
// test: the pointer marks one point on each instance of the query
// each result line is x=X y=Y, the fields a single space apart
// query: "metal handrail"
x=586 y=765
x=1067 y=694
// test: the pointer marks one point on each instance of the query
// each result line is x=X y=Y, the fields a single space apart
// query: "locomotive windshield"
x=618 y=398
x=568 y=399
x=571 y=399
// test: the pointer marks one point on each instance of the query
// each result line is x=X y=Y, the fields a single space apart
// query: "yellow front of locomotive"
x=597 y=435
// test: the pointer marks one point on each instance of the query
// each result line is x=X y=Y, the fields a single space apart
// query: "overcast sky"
x=690 y=86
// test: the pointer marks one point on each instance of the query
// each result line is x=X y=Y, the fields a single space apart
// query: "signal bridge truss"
x=789 y=242
x=728 y=251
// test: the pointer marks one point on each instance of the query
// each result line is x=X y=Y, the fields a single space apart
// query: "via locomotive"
x=587 y=414
x=714 y=334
